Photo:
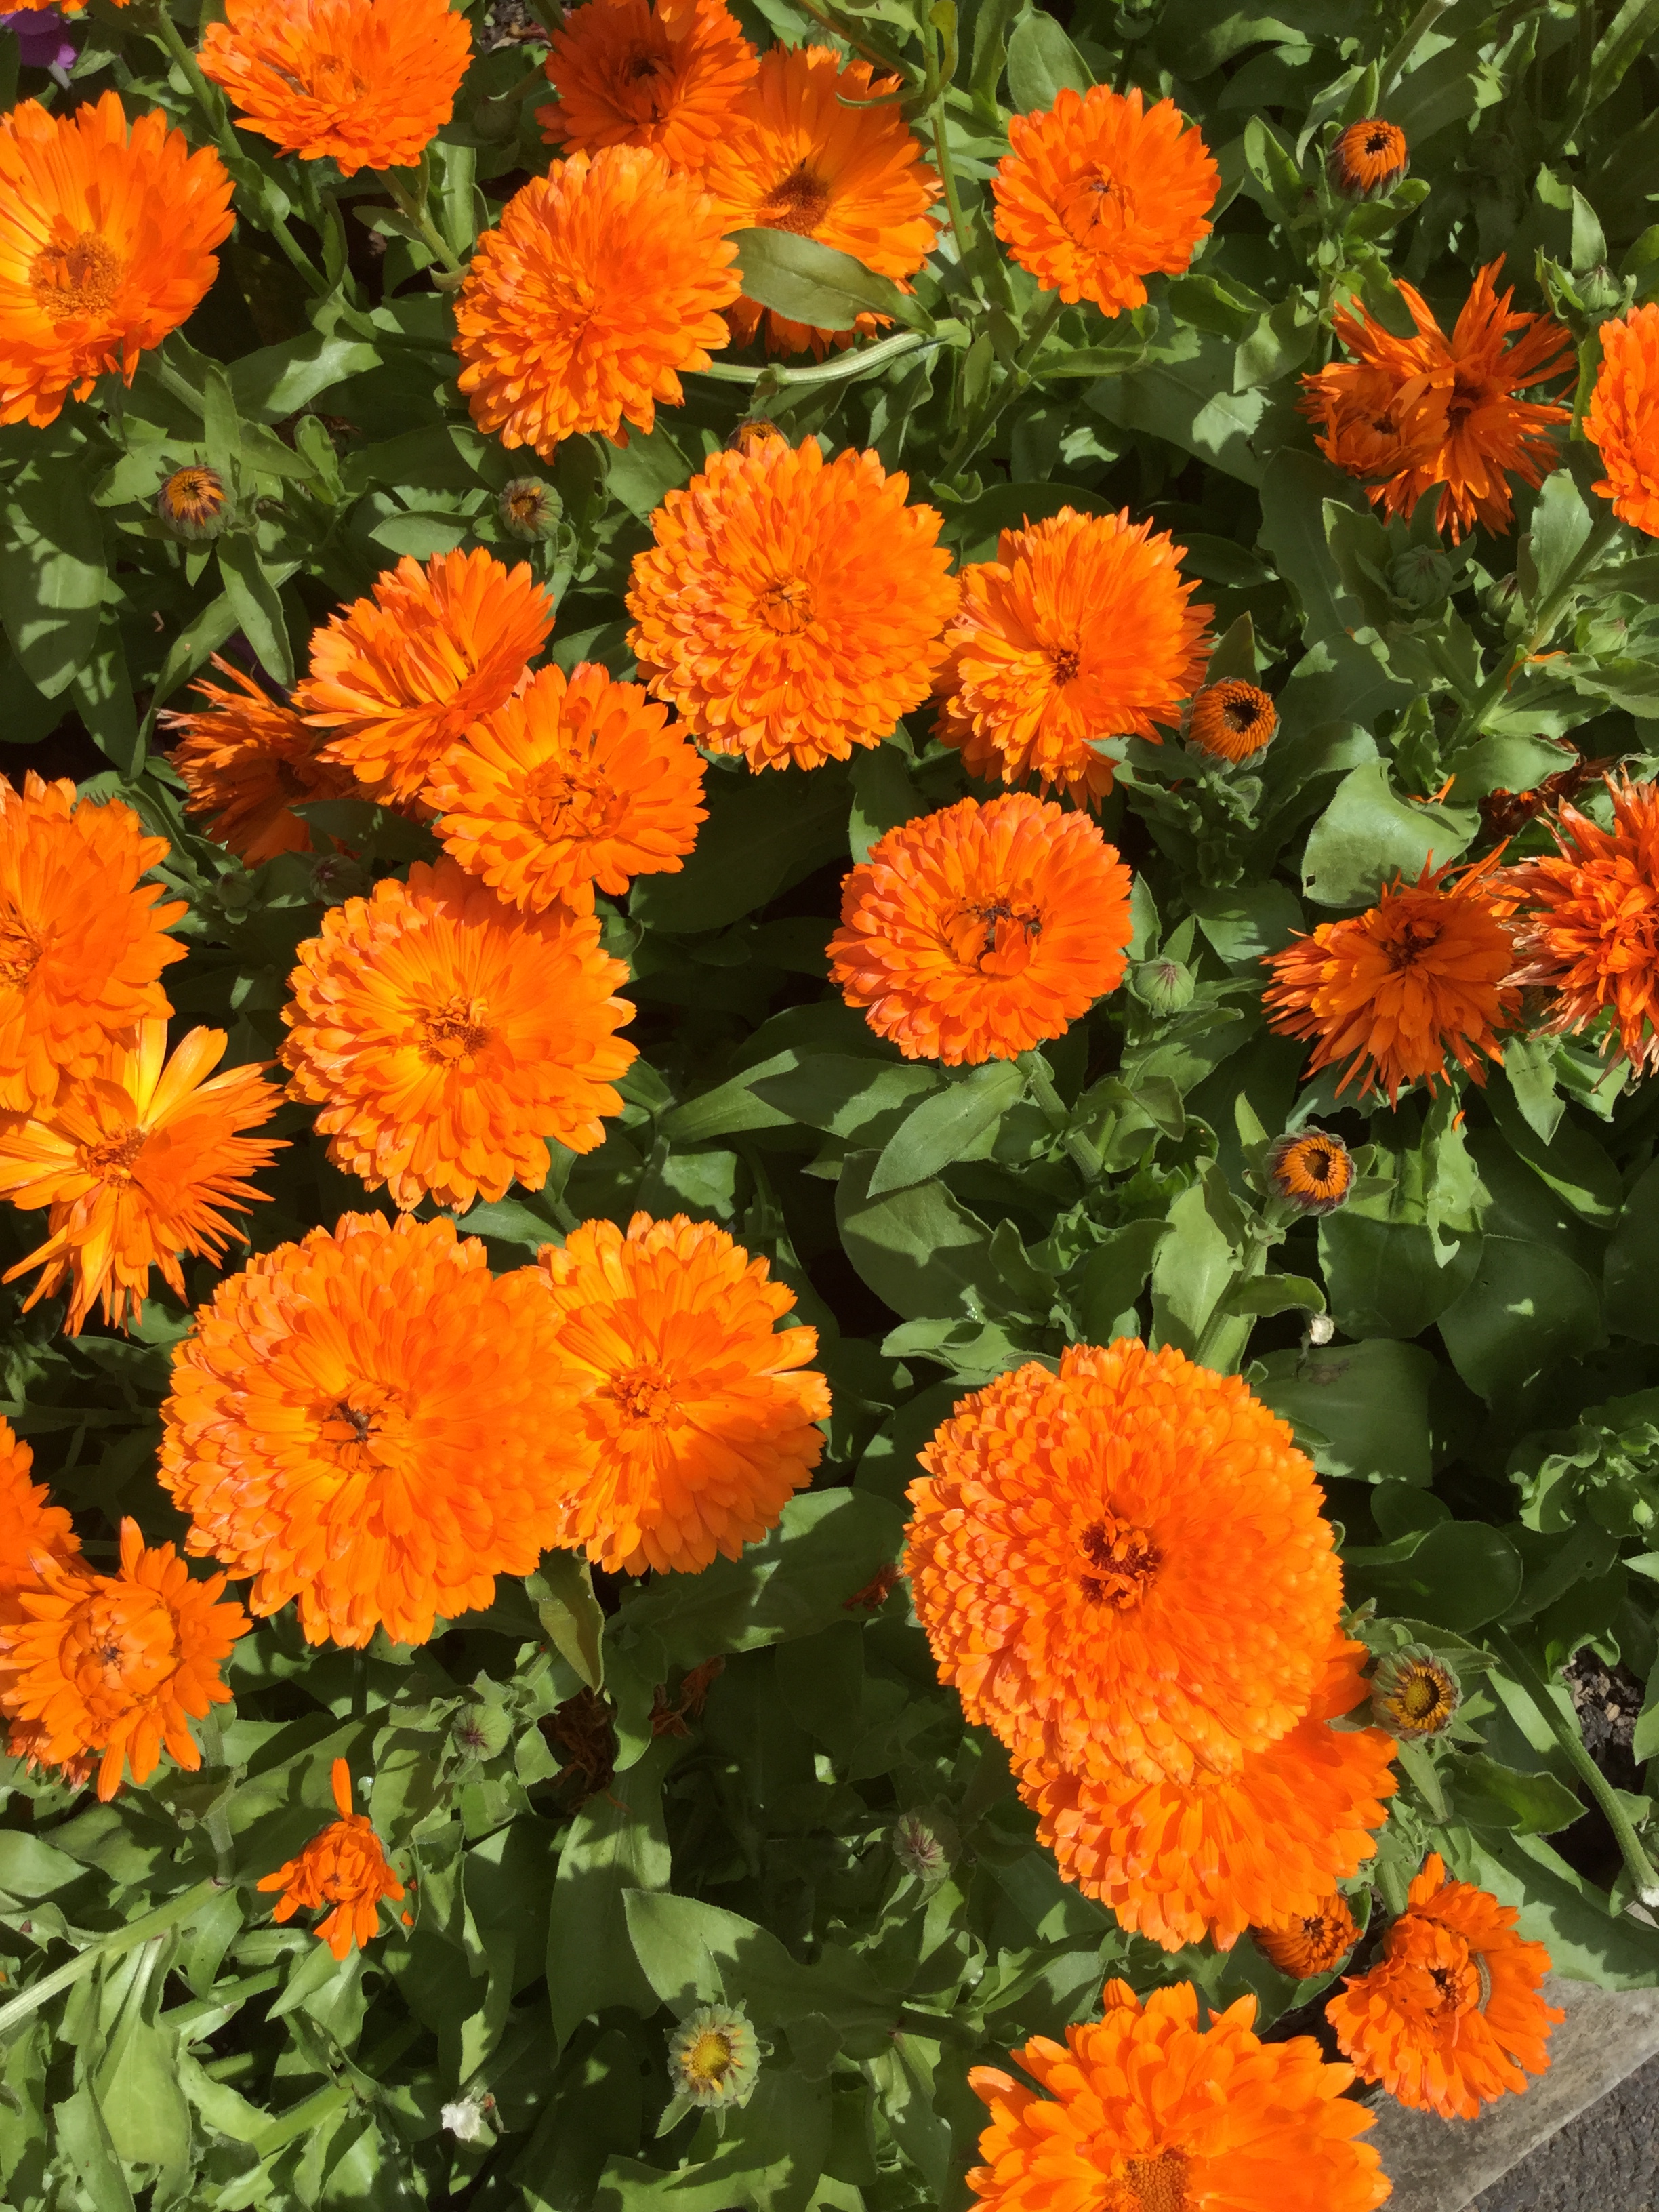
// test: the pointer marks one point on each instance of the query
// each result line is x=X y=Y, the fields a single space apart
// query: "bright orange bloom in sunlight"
x=1622 y=419
x=1421 y=975
x=1368 y=158
x=625 y=77
x=1181 y=1861
x=1453 y=2011
x=83 y=941
x=573 y=785
x=107 y=238
x=693 y=1426
x=1232 y=720
x=399 y=677
x=1587 y=928
x=344 y=1866
x=367 y=1421
x=447 y=1036
x=33 y=1531
x=1099 y=192
x=135 y=1164
x=975 y=933
x=1310 y=1943
x=1079 y=629
x=364 y=83
x=117 y=1664
x=1147 y=2112
x=247 y=760
x=601 y=284
x=802 y=155
x=1078 y=1548
x=791 y=608
x=1425 y=410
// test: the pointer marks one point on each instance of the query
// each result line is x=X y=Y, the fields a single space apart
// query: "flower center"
x=1412 y=940
x=78 y=279
x=1464 y=398
x=1065 y=664
x=711 y=2058
x=786 y=605
x=995 y=936
x=573 y=802
x=1159 y=2184
x=1378 y=142
x=121 y=1646
x=1122 y=1561
x=355 y=1426
x=112 y=1161
x=1239 y=714
x=193 y=494
x=20 y=949
x=456 y=1032
x=1419 y=1697
x=1097 y=208
x=645 y=1393
x=643 y=65
x=799 y=203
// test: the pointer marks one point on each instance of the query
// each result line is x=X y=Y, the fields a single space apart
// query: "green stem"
x=975 y=433
x=360 y=1686
x=1259 y=1240
x=848 y=365
x=1421 y=23
x=872 y=54
x=118 y=1940
x=413 y=206
x=959 y=227
x=1082 y=1154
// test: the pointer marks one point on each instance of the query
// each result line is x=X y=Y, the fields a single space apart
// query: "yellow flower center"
x=78 y=279
x=456 y=1032
x=711 y=2058
x=1097 y=208
x=573 y=802
x=799 y=203
x=112 y=1160
x=644 y=1392
x=20 y=949
x=1423 y=1700
x=527 y=506
x=1121 y=1563
x=1159 y=2184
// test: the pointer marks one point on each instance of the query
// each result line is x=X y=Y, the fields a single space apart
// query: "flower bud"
x=1415 y=1693
x=530 y=509
x=337 y=877
x=714 y=2058
x=1313 y=1172
x=1232 y=719
x=481 y=1731
x=925 y=1844
x=192 y=504
x=1421 y=578
x=1369 y=158
x=1164 y=985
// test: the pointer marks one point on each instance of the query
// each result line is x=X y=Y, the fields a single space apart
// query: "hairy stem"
x=118 y=1940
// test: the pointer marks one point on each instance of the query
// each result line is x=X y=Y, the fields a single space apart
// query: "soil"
x=1607 y=1700
x=510 y=23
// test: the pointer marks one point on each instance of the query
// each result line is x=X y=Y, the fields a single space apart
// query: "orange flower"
x=367 y=1421
x=975 y=934
x=344 y=1866
x=447 y=1037
x=107 y=233
x=625 y=78
x=791 y=607
x=1313 y=1172
x=1077 y=1549
x=1079 y=629
x=1394 y=990
x=1310 y=1943
x=601 y=284
x=1095 y=196
x=1452 y=2012
x=692 y=1429
x=135 y=1164
x=81 y=940
x=801 y=153
x=1181 y=1861
x=1430 y=409
x=574 y=783
x=1622 y=420
x=117 y=1664
x=1232 y=720
x=32 y=1531
x=1587 y=931
x=400 y=677
x=248 y=761
x=363 y=83
x=1369 y=158
x=1147 y=2112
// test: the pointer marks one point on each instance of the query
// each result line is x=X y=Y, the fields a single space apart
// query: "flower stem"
x=1259 y=1241
x=1082 y=1153
x=412 y=206
x=849 y=364
x=108 y=1947
x=975 y=433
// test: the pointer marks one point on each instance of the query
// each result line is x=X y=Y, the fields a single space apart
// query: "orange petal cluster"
x=344 y=1866
x=1310 y=1943
x=1622 y=419
x=247 y=760
x=637 y=73
x=1370 y=156
x=1232 y=720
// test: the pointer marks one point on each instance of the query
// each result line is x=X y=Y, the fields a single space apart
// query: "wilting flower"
x=367 y=1421
x=791 y=607
x=975 y=933
x=399 y=677
x=1145 y=2111
x=1312 y=1171
x=1369 y=158
x=446 y=1037
x=626 y=78
x=135 y=1164
x=364 y=83
x=1587 y=929
x=344 y=1866
x=1410 y=413
x=1096 y=195
x=248 y=761
x=1415 y=1693
x=602 y=283
x=693 y=1426
x=1232 y=720
x=1077 y=1548
x=83 y=941
x=1421 y=975
x=193 y=504
x=116 y=1664
x=1310 y=1943
x=106 y=233
x=1452 y=2011
x=1079 y=629
x=573 y=785
x=713 y=2056
x=1622 y=419
x=804 y=153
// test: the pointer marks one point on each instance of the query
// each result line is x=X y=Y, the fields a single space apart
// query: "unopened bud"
x=925 y=1844
x=193 y=504
x=1421 y=578
x=481 y=1731
x=530 y=509
x=1313 y=1172
x=337 y=877
x=1369 y=158
x=1164 y=985
x=1415 y=1693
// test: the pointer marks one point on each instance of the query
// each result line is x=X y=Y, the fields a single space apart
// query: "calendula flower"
x=1369 y=158
x=1622 y=419
x=83 y=941
x=1452 y=2012
x=193 y=504
x=33 y=1531
x=1415 y=1693
x=364 y=83
x=1077 y=1548
x=1425 y=410
x=367 y=1422
x=1232 y=720
x=248 y=761
x=1587 y=928
x=400 y=677
x=1079 y=629
x=975 y=934
x=1179 y=1863
x=627 y=76
x=802 y=153
x=693 y=1425
x=117 y=1664
x=107 y=238
x=713 y=2056
x=1310 y=1943
x=1419 y=977
x=791 y=607
x=344 y=1866
x=446 y=1037
x=1147 y=2112
x=601 y=285
x=573 y=785
x=136 y=1163
x=1313 y=1172
x=1099 y=192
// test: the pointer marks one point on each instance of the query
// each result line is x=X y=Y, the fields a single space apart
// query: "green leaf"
x=976 y=529
x=817 y=285
x=1276 y=1294
x=508 y=1220
x=51 y=567
x=1631 y=1267
x=1114 y=1276
x=1361 y=1412
x=1193 y=1265
x=764 y=833
x=593 y=2116
x=561 y=1592
x=194 y=646
x=279 y=380
x=1186 y=396
x=80 y=2132
x=1460 y=1576
x=102 y=694
x=695 y=1953
x=1296 y=489
x=420 y=535
x=30 y=1868
x=1367 y=833
x=1043 y=62
x=884 y=795
x=616 y=1846
x=864 y=1100
x=256 y=604
x=944 y=1125
x=137 y=2084
x=1385 y=1278
x=918 y=1250
x=1629 y=35
x=772 y=2155
x=1488 y=1795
